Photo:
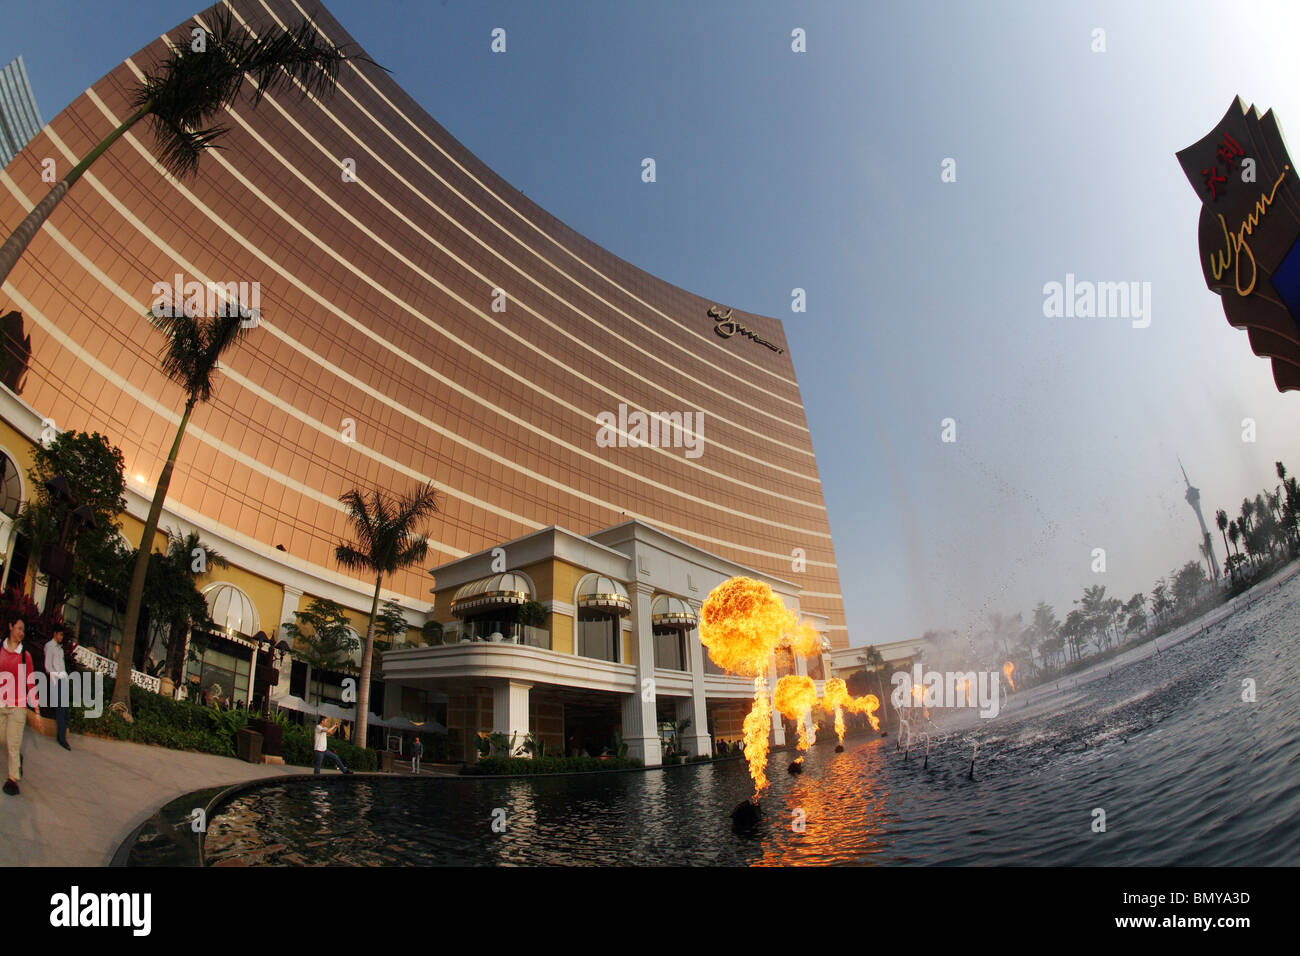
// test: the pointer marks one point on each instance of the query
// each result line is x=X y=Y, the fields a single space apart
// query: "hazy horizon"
x=822 y=171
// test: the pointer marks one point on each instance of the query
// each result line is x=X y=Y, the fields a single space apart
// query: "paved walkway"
x=76 y=807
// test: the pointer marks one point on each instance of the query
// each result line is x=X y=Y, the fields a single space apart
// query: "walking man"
x=417 y=751
x=17 y=690
x=323 y=730
x=58 y=671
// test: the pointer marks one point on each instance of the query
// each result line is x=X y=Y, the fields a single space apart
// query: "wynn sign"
x=1249 y=227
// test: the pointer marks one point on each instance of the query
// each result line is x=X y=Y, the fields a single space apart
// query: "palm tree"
x=386 y=542
x=187 y=90
x=193 y=347
x=875 y=663
x=1221 y=519
x=187 y=559
x=1234 y=535
x=1205 y=553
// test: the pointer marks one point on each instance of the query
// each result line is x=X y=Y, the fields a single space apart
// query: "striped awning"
x=599 y=593
x=499 y=590
x=669 y=611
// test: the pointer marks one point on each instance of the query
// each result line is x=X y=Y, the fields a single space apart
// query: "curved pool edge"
x=166 y=837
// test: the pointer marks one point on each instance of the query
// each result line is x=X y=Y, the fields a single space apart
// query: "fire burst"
x=795 y=696
x=742 y=622
x=835 y=695
x=868 y=705
x=1008 y=668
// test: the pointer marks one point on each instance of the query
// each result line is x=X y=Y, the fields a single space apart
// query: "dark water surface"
x=1186 y=772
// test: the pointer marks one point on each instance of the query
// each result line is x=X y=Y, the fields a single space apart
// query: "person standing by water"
x=417 y=751
x=58 y=671
x=17 y=690
x=321 y=747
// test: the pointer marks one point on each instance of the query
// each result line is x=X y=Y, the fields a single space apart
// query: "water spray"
x=973 y=754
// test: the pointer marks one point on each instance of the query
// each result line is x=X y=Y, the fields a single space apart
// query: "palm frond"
x=188 y=88
x=352 y=559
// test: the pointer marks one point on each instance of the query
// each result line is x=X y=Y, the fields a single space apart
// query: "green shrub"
x=526 y=765
x=182 y=725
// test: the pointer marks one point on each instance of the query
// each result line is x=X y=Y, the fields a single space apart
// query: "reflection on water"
x=1186 y=772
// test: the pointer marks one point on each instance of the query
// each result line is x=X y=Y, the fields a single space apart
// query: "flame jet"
x=835 y=696
x=795 y=697
x=1008 y=668
x=742 y=622
x=868 y=705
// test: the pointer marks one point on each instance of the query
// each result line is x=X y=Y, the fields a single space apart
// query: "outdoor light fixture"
x=58 y=486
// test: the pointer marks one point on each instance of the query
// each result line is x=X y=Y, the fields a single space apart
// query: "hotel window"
x=598 y=635
x=670 y=649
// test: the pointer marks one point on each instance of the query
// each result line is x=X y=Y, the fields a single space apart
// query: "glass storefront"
x=224 y=663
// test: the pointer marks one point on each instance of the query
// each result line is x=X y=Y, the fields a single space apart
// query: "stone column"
x=696 y=706
x=778 y=723
x=287 y=608
x=640 y=731
x=510 y=709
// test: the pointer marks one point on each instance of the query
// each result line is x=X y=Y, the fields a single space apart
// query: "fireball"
x=805 y=640
x=794 y=697
x=868 y=705
x=742 y=622
x=835 y=695
x=1008 y=668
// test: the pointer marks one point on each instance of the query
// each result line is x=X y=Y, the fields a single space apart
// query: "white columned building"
x=641 y=726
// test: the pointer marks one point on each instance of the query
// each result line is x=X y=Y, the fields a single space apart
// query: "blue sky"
x=821 y=171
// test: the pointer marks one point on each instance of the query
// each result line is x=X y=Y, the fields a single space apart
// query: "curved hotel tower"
x=419 y=320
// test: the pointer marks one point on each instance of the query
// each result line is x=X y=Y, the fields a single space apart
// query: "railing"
x=88 y=658
x=501 y=632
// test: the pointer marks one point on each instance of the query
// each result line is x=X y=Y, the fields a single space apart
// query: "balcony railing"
x=500 y=632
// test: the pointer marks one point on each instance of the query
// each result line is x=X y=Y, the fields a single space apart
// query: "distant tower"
x=1194 y=499
x=20 y=120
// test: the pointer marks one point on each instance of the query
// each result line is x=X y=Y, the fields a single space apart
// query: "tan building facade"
x=419 y=320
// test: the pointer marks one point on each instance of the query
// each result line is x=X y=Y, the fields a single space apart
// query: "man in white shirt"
x=58 y=671
x=321 y=745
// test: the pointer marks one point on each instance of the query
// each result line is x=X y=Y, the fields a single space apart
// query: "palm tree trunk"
x=363 y=692
x=21 y=237
x=125 y=655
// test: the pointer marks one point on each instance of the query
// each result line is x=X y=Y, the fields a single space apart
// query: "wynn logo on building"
x=1249 y=231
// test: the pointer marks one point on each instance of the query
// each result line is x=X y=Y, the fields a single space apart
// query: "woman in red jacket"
x=17 y=691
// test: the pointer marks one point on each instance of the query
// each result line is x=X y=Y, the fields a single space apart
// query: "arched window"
x=673 y=620
x=11 y=486
x=602 y=604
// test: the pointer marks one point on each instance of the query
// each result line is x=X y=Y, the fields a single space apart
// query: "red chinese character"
x=1212 y=178
x=1229 y=151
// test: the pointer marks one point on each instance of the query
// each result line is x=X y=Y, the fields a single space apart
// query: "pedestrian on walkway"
x=58 y=673
x=417 y=751
x=17 y=691
x=323 y=730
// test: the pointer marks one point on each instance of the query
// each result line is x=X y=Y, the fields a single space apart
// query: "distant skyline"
x=822 y=171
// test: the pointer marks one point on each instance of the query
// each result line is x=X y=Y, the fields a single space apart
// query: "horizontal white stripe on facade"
x=540 y=232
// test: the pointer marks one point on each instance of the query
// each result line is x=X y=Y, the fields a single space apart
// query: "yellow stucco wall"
x=553 y=579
